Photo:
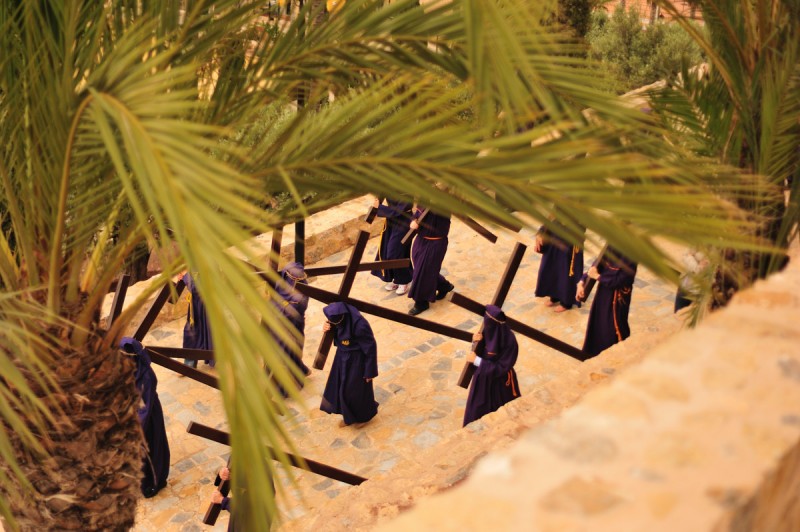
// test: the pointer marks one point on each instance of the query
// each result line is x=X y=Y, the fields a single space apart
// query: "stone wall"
x=450 y=462
x=704 y=434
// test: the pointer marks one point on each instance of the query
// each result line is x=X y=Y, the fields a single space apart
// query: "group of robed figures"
x=349 y=388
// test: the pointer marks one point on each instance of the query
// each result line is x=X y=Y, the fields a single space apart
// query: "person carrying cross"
x=349 y=388
x=292 y=305
x=155 y=463
x=608 y=317
x=397 y=216
x=495 y=381
x=560 y=269
x=427 y=254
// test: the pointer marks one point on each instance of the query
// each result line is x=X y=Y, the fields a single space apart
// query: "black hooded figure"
x=495 y=381
x=292 y=304
x=349 y=388
x=398 y=216
x=608 y=317
x=560 y=270
x=155 y=466
x=197 y=331
x=427 y=254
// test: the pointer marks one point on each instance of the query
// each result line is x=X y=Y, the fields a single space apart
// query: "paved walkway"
x=420 y=403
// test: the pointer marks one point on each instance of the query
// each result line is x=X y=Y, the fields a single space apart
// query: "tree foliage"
x=159 y=106
x=640 y=55
x=743 y=110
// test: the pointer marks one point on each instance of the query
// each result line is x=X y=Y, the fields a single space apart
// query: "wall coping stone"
x=704 y=434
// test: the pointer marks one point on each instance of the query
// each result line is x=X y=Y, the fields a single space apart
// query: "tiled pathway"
x=419 y=401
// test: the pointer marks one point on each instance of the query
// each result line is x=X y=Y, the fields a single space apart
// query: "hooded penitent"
x=347 y=391
x=495 y=381
x=155 y=466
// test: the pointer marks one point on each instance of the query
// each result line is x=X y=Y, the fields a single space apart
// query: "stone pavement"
x=420 y=404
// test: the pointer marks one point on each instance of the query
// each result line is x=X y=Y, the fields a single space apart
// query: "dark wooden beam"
x=478 y=228
x=589 y=285
x=400 y=317
x=299 y=462
x=516 y=326
x=156 y=307
x=300 y=241
x=411 y=232
x=274 y=256
x=212 y=513
x=183 y=369
x=363 y=267
x=181 y=352
x=119 y=298
x=500 y=294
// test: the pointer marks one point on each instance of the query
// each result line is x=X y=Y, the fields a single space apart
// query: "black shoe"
x=419 y=308
x=440 y=294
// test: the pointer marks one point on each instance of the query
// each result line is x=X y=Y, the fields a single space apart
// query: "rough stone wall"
x=702 y=435
x=449 y=462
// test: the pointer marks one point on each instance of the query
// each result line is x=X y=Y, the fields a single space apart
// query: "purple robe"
x=608 y=318
x=560 y=270
x=196 y=332
x=347 y=392
x=427 y=255
x=292 y=304
x=155 y=465
x=398 y=216
x=495 y=381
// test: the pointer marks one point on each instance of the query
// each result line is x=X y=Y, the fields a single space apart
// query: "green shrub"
x=638 y=55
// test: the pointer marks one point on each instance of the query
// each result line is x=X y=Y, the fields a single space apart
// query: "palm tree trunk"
x=91 y=479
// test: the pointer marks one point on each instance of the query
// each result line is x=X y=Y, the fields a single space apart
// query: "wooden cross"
x=156 y=307
x=297 y=461
x=212 y=513
x=119 y=298
x=587 y=288
x=345 y=286
x=328 y=297
x=517 y=326
x=390 y=264
x=498 y=299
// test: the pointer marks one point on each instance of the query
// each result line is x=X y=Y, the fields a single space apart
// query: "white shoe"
x=389 y=287
x=402 y=289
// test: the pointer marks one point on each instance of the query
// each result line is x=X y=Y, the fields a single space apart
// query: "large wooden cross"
x=469 y=222
x=162 y=355
x=300 y=462
x=498 y=299
x=516 y=326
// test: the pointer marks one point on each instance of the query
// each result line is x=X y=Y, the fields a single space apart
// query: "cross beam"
x=119 y=298
x=178 y=367
x=400 y=317
x=587 y=288
x=478 y=228
x=469 y=222
x=411 y=232
x=156 y=307
x=391 y=264
x=212 y=513
x=525 y=330
x=297 y=461
x=498 y=299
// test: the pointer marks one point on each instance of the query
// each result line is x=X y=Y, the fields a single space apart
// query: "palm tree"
x=743 y=110
x=167 y=108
